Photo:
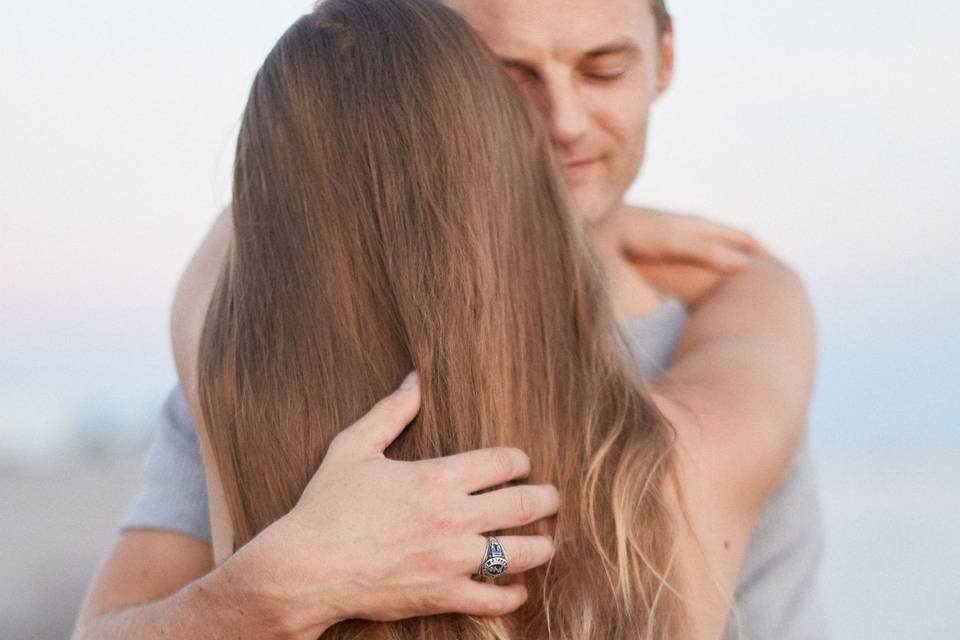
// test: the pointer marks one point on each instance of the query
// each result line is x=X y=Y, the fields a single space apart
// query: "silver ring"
x=494 y=559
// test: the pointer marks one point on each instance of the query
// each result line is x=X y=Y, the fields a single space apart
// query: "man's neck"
x=630 y=294
x=638 y=286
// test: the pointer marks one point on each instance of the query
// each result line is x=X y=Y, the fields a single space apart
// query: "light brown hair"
x=396 y=205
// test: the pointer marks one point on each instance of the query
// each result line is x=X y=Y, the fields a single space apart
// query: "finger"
x=727 y=260
x=482 y=599
x=740 y=239
x=514 y=506
x=481 y=468
x=718 y=256
x=523 y=552
x=380 y=426
x=737 y=238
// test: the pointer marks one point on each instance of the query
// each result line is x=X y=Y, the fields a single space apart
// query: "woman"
x=389 y=187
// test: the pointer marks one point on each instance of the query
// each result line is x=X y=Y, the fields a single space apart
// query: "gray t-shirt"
x=778 y=594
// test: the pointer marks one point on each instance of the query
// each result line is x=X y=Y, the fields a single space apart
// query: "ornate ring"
x=494 y=559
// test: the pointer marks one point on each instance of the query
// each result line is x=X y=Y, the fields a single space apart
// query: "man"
x=594 y=67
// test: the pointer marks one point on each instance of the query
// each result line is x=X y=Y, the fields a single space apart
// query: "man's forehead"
x=564 y=30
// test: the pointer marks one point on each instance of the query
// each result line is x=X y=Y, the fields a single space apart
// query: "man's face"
x=594 y=67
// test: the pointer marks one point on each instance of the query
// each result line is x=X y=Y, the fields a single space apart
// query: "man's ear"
x=666 y=60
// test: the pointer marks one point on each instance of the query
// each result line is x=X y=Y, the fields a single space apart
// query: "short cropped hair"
x=661 y=15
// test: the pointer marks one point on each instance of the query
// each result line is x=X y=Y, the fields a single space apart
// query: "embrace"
x=437 y=380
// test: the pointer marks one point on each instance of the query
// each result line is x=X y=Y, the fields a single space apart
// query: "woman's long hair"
x=396 y=205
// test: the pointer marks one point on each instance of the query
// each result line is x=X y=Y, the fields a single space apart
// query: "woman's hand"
x=382 y=539
x=687 y=256
x=647 y=235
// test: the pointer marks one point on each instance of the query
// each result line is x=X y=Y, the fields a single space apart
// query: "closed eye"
x=605 y=76
x=521 y=73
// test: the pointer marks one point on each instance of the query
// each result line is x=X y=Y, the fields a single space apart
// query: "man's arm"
x=159 y=585
x=160 y=582
x=277 y=586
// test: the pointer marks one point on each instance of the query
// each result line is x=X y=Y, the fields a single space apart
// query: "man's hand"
x=370 y=538
x=385 y=540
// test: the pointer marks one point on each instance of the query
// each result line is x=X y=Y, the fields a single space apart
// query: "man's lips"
x=573 y=164
x=576 y=170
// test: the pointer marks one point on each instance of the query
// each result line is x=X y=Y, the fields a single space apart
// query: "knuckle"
x=545 y=550
x=493 y=604
x=428 y=478
x=496 y=605
x=521 y=460
x=718 y=253
x=447 y=522
x=437 y=600
x=341 y=442
x=443 y=472
x=502 y=460
x=448 y=560
x=391 y=404
x=525 y=504
x=552 y=496
x=521 y=557
x=506 y=601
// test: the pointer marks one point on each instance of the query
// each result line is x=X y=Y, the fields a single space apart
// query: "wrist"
x=232 y=595
x=302 y=587
x=258 y=591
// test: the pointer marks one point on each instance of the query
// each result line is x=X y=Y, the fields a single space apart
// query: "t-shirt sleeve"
x=173 y=495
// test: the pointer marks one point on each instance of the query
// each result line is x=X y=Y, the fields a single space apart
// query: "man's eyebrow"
x=627 y=46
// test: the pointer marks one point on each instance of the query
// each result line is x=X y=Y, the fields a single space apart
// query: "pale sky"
x=830 y=130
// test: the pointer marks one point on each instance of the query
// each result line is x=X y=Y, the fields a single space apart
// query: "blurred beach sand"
x=890 y=568
x=57 y=524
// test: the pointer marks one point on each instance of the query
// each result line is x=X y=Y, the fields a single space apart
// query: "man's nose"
x=568 y=116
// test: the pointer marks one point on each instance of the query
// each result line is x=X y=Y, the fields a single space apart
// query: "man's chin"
x=594 y=205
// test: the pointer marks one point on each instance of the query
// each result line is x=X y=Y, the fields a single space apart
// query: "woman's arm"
x=743 y=373
x=738 y=394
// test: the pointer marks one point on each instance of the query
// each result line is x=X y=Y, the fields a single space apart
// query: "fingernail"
x=410 y=381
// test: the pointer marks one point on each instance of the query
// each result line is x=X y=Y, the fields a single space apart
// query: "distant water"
x=112 y=409
x=887 y=384
x=884 y=434
x=891 y=570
